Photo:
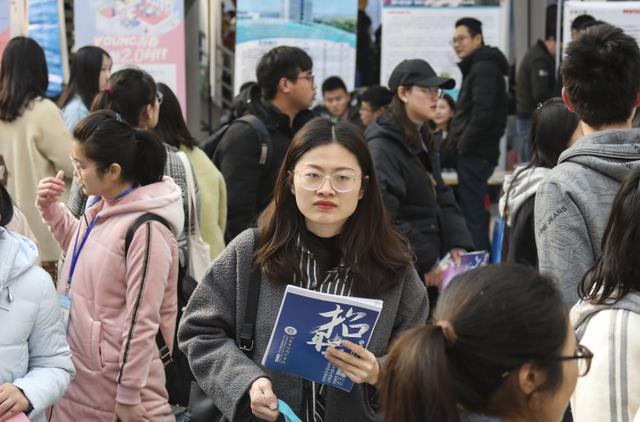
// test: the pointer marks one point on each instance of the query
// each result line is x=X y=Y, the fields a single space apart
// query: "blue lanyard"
x=78 y=248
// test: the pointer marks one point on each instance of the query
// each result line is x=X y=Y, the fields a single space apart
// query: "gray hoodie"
x=574 y=201
x=34 y=353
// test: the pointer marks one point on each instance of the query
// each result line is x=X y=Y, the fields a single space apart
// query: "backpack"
x=178 y=374
x=210 y=145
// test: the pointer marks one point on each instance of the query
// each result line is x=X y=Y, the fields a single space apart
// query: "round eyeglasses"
x=341 y=181
x=583 y=355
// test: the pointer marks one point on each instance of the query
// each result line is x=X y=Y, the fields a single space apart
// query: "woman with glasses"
x=133 y=95
x=116 y=300
x=607 y=319
x=501 y=349
x=325 y=230
x=405 y=155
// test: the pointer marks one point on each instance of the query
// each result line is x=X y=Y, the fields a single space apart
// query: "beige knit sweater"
x=36 y=145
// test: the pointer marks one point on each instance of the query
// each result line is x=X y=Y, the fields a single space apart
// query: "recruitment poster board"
x=5 y=24
x=325 y=29
x=424 y=29
x=144 y=33
x=46 y=26
x=625 y=14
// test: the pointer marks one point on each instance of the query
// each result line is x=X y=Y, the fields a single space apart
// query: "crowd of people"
x=107 y=205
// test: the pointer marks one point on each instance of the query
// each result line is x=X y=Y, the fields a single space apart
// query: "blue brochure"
x=308 y=323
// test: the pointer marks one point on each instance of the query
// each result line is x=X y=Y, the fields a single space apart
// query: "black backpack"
x=210 y=145
x=176 y=366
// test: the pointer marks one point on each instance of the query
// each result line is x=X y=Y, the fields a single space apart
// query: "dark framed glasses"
x=583 y=355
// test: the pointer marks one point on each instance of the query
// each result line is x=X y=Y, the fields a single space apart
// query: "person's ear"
x=637 y=100
x=285 y=85
x=530 y=377
x=403 y=93
x=114 y=172
x=363 y=187
x=146 y=115
x=567 y=101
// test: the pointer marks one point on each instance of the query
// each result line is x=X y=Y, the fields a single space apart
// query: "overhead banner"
x=46 y=25
x=144 y=33
x=625 y=14
x=325 y=29
x=423 y=29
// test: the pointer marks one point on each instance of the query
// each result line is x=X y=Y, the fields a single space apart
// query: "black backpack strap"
x=247 y=329
x=263 y=136
x=165 y=353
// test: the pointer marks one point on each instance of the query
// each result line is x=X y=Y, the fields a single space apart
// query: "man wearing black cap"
x=479 y=121
x=406 y=161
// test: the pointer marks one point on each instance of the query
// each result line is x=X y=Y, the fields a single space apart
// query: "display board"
x=424 y=28
x=325 y=29
x=144 y=33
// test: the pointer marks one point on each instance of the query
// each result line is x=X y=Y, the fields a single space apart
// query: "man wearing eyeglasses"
x=249 y=159
x=479 y=121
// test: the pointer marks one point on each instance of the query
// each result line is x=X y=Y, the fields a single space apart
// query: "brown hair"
x=503 y=317
x=376 y=254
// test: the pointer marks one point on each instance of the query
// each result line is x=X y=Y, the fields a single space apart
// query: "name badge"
x=65 y=306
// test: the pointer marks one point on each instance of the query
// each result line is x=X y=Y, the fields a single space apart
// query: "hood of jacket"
x=17 y=255
x=387 y=127
x=163 y=198
x=521 y=185
x=485 y=53
x=613 y=152
x=582 y=311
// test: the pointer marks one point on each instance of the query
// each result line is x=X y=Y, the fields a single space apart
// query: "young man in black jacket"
x=479 y=121
x=281 y=100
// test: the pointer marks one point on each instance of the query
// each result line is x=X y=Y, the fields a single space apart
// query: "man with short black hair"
x=579 y=22
x=572 y=205
x=281 y=101
x=479 y=121
x=372 y=103
x=337 y=101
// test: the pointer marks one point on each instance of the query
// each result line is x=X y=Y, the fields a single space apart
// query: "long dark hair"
x=106 y=140
x=6 y=206
x=500 y=317
x=24 y=76
x=376 y=254
x=412 y=136
x=84 y=79
x=616 y=271
x=171 y=127
x=128 y=92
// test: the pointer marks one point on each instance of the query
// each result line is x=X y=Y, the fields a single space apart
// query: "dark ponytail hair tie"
x=109 y=91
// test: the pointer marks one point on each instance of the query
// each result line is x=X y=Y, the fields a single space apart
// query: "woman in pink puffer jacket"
x=116 y=306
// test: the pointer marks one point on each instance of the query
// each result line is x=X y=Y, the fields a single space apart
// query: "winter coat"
x=34 y=349
x=250 y=185
x=36 y=145
x=521 y=187
x=213 y=199
x=574 y=201
x=117 y=306
x=215 y=313
x=73 y=112
x=535 y=79
x=481 y=110
x=419 y=203
x=610 y=392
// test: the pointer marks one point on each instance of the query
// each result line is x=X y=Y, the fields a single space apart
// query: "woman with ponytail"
x=501 y=349
x=133 y=95
x=116 y=302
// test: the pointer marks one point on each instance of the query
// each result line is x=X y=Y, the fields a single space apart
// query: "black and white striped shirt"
x=323 y=270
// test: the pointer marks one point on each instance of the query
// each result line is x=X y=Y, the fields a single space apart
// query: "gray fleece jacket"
x=210 y=325
x=574 y=201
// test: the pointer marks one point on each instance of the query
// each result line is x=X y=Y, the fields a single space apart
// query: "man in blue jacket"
x=479 y=121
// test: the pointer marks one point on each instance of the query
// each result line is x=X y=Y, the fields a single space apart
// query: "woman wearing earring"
x=405 y=155
x=326 y=230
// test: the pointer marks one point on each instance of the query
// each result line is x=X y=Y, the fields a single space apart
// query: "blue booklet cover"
x=468 y=261
x=308 y=323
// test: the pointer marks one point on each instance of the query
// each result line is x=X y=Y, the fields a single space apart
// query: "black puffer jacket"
x=481 y=110
x=420 y=205
x=250 y=185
